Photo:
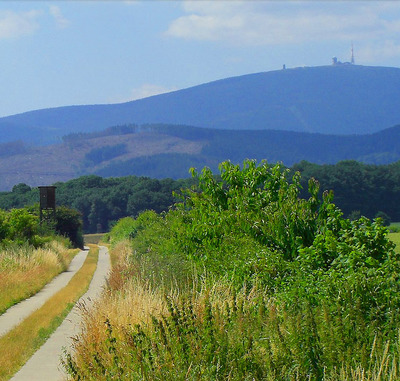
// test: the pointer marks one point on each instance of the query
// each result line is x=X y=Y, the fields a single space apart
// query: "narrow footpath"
x=44 y=365
x=17 y=313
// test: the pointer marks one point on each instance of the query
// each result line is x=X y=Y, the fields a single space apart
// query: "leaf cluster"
x=327 y=288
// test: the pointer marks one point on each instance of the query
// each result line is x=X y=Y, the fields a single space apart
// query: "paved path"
x=15 y=314
x=44 y=365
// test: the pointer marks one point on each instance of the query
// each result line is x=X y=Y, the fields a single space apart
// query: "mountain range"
x=320 y=114
x=337 y=99
x=162 y=151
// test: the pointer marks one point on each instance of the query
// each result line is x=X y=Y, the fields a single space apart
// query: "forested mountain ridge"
x=162 y=151
x=342 y=99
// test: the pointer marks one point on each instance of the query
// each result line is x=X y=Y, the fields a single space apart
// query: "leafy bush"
x=22 y=226
x=328 y=289
x=125 y=228
x=229 y=222
x=19 y=226
x=69 y=225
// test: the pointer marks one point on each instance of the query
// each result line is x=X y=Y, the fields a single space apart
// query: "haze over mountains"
x=336 y=99
x=320 y=114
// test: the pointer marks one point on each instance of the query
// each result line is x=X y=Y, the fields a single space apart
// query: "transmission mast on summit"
x=352 y=54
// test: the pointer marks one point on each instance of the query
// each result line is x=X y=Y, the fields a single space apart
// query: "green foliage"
x=100 y=201
x=384 y=217
x=181 y=346
x=21 y=188
x=354 y=215
x=4 y=228
x=367 y=188
x=155 y=258
x=22 y=226
x=69 y=224
x=394 y=227
x=125 y=228
x=329 y=287
x=250 y=209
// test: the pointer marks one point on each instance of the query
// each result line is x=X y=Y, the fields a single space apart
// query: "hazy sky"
x=58 y=53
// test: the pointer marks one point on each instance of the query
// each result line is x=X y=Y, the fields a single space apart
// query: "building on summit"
x=352 y=62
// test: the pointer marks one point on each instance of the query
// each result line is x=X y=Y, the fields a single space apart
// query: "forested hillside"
x=359 y=189
x=342 y=99
x=274 y=146
x=162 y=151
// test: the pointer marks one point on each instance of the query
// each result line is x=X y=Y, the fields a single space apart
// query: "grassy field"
x=395 y=237
x=140 y=326
x=24 y=270
x=92 y=238
x=18 y=345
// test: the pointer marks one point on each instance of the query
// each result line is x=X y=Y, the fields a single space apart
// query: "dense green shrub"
x=69 y=224
x=229 y=223
x=329 y=288
x=19 y=226
x=23 y=226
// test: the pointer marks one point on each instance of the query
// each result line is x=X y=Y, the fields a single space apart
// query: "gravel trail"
x=44 y=365
x=17 y=313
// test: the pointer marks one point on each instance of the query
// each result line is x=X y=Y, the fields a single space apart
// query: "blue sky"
x=59 y=53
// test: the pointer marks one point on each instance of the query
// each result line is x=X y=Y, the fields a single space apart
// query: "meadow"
x=93 y=239
x=245 y=280
x=24 y=269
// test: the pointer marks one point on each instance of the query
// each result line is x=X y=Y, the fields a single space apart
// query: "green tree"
x=4 y=226
x=21 y=188
x=386 y=220
x=69 y=224
x=22 y=225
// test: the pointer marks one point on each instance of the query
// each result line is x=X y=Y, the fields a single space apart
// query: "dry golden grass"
x=124 y=303
x=120 y=253
x=129 y=301
x=25 y=271
x=385 y=368
x=19 y=344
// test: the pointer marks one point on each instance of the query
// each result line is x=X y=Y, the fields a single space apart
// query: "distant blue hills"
x=332 y=100
x=161 y=151
x=274 y=146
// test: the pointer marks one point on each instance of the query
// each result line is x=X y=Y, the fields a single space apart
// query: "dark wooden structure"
x=47 y=202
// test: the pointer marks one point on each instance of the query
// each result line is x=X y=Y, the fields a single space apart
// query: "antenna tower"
x=352 y=54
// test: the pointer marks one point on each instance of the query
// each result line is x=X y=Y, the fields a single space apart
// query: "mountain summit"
x=336 y=99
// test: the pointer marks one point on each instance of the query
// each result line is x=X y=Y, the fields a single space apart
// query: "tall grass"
x=18 y=345
x=24 y=270
x=245 y=281
x=142 y=330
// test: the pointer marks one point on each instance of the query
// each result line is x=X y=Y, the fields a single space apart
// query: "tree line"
x=359 y=189
x=102 y=201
